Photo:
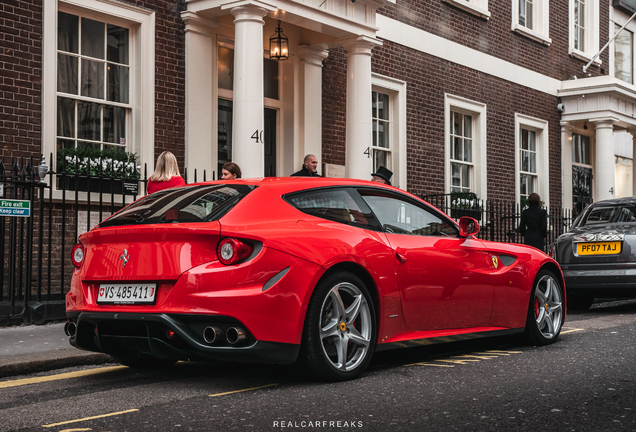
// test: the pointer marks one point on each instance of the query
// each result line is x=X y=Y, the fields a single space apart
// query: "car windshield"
x=609 y=214
x=202 y=203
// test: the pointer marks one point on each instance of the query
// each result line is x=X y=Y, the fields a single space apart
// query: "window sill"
x=531 y=34
x=584 y=56
x=470 y=8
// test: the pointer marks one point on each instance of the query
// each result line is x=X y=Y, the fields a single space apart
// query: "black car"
x=598 y=254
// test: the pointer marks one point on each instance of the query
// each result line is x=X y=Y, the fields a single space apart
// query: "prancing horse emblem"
x=495 y=261
x=124 y=258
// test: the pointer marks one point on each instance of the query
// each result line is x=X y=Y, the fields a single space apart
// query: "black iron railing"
x=499 y=220
x=35 y=251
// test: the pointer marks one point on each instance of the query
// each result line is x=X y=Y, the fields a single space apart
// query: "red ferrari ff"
x=279 y=270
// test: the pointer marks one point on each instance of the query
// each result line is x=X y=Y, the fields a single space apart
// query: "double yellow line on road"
x=36 y=380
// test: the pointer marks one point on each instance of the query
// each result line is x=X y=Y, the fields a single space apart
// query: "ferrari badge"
x=495 y=262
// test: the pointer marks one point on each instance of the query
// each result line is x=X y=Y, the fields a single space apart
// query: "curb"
x=23 y=364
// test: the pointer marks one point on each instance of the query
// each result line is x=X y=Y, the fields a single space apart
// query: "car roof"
x=292 y=184
x=615 y=202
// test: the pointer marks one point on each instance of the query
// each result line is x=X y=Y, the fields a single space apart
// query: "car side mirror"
x=468 y=226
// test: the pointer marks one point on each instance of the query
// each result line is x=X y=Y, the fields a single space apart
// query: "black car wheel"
x=545 y=312
x=340 y=329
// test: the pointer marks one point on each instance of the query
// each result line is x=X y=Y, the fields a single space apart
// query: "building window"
x=388 y=98
x=525 y=13
x=579 y=25
x=581 y=150
x=381 y=130
x=623 y=54
x=465 y=146
x=461 y=158
x=475 y=7
x=93 y=83
x=98 y=78
x=531 y=159
x=584 y=28
x=528 y=156
x=530 y=18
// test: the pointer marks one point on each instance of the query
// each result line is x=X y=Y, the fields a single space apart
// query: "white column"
x=604 y=165
x=310 y=115
x=248 y=120
x=199 y=95
x=566 y=165
x=359 y=138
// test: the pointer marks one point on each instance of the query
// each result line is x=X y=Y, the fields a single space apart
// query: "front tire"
x=545 y=313
x=340 y=329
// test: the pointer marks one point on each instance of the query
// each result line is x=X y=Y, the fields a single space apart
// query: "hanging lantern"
x=279 y=45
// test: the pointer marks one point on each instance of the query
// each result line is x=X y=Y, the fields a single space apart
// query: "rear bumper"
x=146 y=334
x=611 y=280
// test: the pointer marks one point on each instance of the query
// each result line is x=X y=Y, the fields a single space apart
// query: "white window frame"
x=396 y=89
x=592 y=30
x=620 y=18
x=476 y=7
x=141 y=23
x=478 y=111
x=540 y=127
x=540 y=19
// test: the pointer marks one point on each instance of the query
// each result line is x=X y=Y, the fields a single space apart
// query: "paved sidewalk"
x=29 y=349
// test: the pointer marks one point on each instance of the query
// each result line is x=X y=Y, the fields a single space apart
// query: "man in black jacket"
x=534 y=223
x=310 y=167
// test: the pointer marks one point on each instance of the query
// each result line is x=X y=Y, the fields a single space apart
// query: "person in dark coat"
x=534 y=223
x=310 y=167
x=382 y=176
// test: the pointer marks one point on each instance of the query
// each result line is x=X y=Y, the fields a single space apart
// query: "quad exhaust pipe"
x=213 y=334
x=70 y=328
x=235 y=335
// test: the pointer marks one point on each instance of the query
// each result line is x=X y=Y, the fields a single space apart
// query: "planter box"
x=458 y=213
x=109 y=186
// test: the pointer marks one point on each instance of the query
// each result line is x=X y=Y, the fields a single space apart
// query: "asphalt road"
x=584 y=382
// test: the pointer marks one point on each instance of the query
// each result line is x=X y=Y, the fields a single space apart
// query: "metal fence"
x=35 y=264
x=499 y=220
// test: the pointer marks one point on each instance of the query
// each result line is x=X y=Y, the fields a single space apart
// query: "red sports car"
x=279 y=270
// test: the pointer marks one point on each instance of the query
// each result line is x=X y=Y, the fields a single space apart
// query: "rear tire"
x=340 y=329
x=545 y=312
x=143 y=362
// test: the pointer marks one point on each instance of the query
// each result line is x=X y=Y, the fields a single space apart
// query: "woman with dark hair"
x=534 y=223
x=230 y=171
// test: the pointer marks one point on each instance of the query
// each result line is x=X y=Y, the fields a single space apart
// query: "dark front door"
x=581 y=188
x=270 y=142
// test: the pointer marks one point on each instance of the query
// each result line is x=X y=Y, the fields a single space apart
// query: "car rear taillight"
x=77 y=256
x=232 y=251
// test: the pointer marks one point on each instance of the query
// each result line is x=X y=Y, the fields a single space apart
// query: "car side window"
x=333 y=204
x=402 y=217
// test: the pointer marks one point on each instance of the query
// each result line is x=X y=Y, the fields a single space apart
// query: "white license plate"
x=127 y=293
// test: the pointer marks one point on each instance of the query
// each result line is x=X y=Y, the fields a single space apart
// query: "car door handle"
x=401 y=258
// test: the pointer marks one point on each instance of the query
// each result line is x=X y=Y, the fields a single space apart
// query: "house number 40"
x=257 y=136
